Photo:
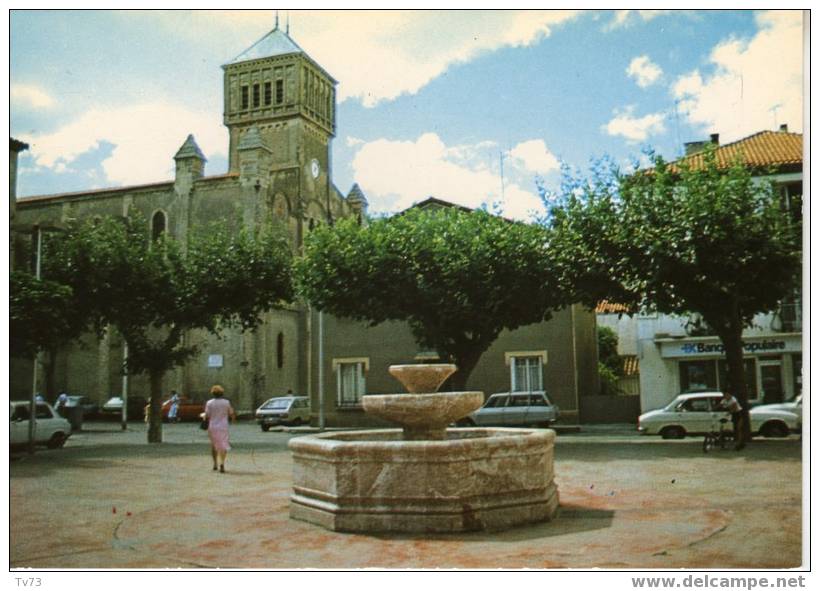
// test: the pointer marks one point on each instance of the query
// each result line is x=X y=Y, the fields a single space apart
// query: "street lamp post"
x=32 y=409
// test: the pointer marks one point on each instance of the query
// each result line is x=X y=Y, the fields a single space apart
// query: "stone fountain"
x=424 y=477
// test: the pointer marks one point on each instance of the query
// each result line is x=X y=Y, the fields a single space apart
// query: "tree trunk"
x=155 y=412
x=465 y=362
x=733 y=349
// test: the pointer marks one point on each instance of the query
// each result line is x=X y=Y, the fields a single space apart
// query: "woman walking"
x=219 y=413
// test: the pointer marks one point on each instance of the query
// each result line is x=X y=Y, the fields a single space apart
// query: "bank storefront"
x=773 y=364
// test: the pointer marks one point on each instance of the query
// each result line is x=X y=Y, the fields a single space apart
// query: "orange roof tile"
x=606 y=307
x=631 y=365
x=760 y=150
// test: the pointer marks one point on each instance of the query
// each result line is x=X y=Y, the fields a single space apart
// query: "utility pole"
x=32 y=409
x=125 y=385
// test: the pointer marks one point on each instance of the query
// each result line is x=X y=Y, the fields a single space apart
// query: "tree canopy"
x=680 y=240
x=457 y=278
x=154 y=292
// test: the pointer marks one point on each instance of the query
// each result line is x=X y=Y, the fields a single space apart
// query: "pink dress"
x=218 y=410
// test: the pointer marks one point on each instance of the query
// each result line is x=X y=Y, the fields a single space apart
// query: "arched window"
x=158 y=224
x=280 y=350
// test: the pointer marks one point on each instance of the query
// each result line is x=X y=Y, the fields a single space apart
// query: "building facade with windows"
x=676 y=354
x=280 y=109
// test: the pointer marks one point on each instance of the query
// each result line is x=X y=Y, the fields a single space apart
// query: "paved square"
x=109 y=500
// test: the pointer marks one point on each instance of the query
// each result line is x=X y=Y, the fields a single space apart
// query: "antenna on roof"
x=276 y=25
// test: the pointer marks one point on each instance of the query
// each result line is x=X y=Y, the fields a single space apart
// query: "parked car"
x=794 y=405
x=136 y=406
x=88 y=406
x=515 y=408
x=283 y=410
x=188 y=409
x=50 y=429
x=699 y=413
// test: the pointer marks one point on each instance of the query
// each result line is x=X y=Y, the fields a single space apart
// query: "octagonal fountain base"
x=374 y=481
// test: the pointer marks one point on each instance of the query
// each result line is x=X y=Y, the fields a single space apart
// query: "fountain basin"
x=375 y=481
x=426 y=377
x=423 y=416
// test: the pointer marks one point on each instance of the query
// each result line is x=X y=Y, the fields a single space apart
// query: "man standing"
x=731 y=405
x=62 y=400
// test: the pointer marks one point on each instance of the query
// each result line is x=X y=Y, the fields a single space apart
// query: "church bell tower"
x=274 y=89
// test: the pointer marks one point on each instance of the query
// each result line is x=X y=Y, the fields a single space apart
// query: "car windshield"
x=277 y=403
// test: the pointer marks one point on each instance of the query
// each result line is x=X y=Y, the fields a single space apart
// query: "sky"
x=474 y=107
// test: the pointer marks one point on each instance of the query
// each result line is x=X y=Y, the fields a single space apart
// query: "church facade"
x=280 y=110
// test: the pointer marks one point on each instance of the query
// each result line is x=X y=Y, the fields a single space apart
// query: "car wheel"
x=774 y=429
x=57 y=440
x=296 y=422
x=673 y=433
x=465 y=422
x=265 y=428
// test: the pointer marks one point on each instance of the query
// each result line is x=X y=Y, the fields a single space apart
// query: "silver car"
x=515 y=409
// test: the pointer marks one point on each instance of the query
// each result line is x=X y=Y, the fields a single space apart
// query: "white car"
x=282 y=410
x=701 y=412
x=794 y=405
x=50 y=429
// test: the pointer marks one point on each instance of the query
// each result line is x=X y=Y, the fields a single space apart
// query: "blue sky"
x=429 y=102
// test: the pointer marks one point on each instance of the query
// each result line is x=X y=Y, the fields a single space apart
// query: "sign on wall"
x=714 y=348
x=214 y=360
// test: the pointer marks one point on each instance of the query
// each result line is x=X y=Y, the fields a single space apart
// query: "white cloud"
x=396 y=174
x=625 y=18
x=644 y=71
x=534 y=156
x=755 y=83
x=145 y=139
x=635 y=129
x=29 y=96
x=385 y=53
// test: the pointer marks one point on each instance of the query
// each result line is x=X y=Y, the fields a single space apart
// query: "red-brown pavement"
x=108 y=500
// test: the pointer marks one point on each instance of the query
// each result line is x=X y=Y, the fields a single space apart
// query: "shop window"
x=697 y=375
x=749 y=372
x=350 y=381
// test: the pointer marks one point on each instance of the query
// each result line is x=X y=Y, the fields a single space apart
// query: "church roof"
x=276 y=42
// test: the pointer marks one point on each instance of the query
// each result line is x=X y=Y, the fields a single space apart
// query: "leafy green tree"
x=610 y=365
x=680 y=239
x=153 y=293
x=457 y=278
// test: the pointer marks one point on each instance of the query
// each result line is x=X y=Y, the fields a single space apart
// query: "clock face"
x=314 y=168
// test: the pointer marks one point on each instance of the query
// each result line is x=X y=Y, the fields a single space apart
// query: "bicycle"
x=720 y=438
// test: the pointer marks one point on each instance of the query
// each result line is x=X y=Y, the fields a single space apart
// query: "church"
x=280 y=111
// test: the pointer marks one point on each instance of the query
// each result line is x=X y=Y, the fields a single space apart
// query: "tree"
x=154 y=292
x=457 y=278
x=43 y=316
x=610 y=365
x=679 y=239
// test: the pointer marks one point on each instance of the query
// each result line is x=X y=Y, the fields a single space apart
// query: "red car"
x=187 y=409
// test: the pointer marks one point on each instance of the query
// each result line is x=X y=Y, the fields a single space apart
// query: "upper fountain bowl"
x=422 y=378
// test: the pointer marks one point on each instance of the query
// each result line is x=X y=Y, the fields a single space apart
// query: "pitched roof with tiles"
x=778 y=149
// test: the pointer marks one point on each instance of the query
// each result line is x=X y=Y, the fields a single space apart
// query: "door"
x=771 y=380
x=696 y=415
